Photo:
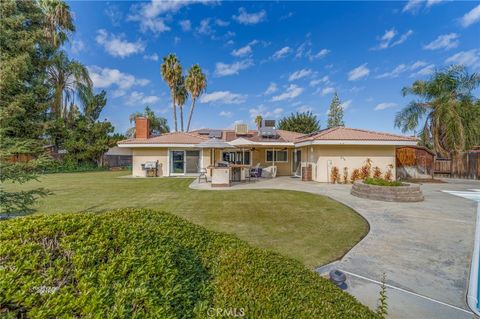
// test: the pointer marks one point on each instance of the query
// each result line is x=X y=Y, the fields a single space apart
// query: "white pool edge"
x=472 y=295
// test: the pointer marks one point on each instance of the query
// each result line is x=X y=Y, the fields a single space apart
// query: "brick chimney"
x=142 y=127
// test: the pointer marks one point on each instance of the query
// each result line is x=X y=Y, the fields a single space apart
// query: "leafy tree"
x=196 y=84
x=158 y=125
x=23 y=100
x=171 y=71
x=181 y=96
x=87 y=139
x=300 y=122
x=67 y=79
x=445 y=106
x=335 y=113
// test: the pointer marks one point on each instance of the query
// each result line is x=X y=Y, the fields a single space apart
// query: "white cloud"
x=412 y=6
x=77 y=46
x=226 y=113
x=280 y=54
x=105 y=77
x=345 y=105
x=471 y=17
x=272 y=88
x=470 y=58
x=148 y=14
x=186 y=25
x=387 y=39
x=152 y=57
x=401 y=68
x=316 y=82
x=246 y=18
x=138 y=98
x=204 y=27
x=244 y=51
x=114 y=14
x=327 y=90
x=359 y=72
x=221 y=23
x=117 y=46
x=223 y=69
x=304 y=109
x=429 y=69
x=385 y=105
x=320 y=54
x=291 y=92
x=223 y=97
x=299 y=74
x=444 y=41
x=264 y=112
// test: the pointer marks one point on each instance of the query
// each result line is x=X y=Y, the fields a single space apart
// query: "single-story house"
x=180 y=153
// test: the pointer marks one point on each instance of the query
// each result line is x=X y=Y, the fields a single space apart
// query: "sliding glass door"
x=184 y=162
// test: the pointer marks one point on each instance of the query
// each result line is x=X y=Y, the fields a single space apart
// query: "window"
x=236 y=157
x=280 y=156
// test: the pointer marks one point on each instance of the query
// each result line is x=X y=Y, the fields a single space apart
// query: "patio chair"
x=256 y=172
x=203 y=174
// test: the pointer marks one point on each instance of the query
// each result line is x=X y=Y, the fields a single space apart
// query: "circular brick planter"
x=407 y=193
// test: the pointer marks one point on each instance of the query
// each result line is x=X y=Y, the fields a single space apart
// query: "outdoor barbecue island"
x=224 y=175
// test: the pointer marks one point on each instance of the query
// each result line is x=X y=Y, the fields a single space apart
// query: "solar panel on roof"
x=215 y=134
x=268 y=132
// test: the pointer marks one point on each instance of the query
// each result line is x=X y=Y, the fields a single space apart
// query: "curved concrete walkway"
x=423 y=248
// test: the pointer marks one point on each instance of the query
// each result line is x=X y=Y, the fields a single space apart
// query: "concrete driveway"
x=423 y=248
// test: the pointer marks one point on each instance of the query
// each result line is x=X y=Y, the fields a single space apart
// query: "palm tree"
x=171 y=71
x=258 y=121
x=158 y=125
x=444 y=105
x=59 y=21
x=196 y=84
x=68 y=78
x=181 y=96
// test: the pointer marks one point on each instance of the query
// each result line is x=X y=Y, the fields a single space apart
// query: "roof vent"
x=241 y=129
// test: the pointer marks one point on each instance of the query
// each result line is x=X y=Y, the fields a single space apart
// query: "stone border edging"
x=407 y=193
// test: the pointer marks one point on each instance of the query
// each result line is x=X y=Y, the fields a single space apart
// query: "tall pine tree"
x=23 y=99
x=335 y=113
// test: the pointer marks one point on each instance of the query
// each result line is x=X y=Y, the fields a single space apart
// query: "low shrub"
x=377 y=172
x=366 y=169
x=345 y=175
x=381 y=182
x=355 y=175
x=335 y=175
x=134 y=263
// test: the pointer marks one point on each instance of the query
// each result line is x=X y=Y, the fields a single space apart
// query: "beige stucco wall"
x=142 y=155
x=324 y=157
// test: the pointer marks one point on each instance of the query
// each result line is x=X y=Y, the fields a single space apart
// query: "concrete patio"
x=423 y=248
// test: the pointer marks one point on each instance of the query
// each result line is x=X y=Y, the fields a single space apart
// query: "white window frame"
x=274 y=157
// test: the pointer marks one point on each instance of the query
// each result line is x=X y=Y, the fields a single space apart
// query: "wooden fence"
x=463 y=165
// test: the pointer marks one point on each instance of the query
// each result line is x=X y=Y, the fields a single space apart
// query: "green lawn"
x=310 y=228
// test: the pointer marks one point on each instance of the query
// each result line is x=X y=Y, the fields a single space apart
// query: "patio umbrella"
x=214 y=143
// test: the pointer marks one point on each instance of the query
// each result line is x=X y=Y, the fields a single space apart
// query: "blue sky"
x=273 y=58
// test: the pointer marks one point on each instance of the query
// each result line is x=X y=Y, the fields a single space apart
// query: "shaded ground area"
x=423 y=248
x=312 y=229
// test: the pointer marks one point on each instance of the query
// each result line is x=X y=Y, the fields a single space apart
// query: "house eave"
x=357 y=142
x=151 y=145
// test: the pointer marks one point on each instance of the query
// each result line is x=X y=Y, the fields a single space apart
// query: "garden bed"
x=404 y=193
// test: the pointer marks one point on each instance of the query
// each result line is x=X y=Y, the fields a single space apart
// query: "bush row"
x=134 y=263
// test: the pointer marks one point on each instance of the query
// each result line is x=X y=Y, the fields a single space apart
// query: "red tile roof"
x=351 y=134
x=168 y=138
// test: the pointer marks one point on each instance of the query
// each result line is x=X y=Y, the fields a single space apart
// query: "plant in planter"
x=366 y=169
x=377 y=172
x=355 y=175
x=345 y=175
x=334 y=175
x=381 y=182
x=388 y=174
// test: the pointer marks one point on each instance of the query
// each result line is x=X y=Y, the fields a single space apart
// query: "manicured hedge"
x=135 y=263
